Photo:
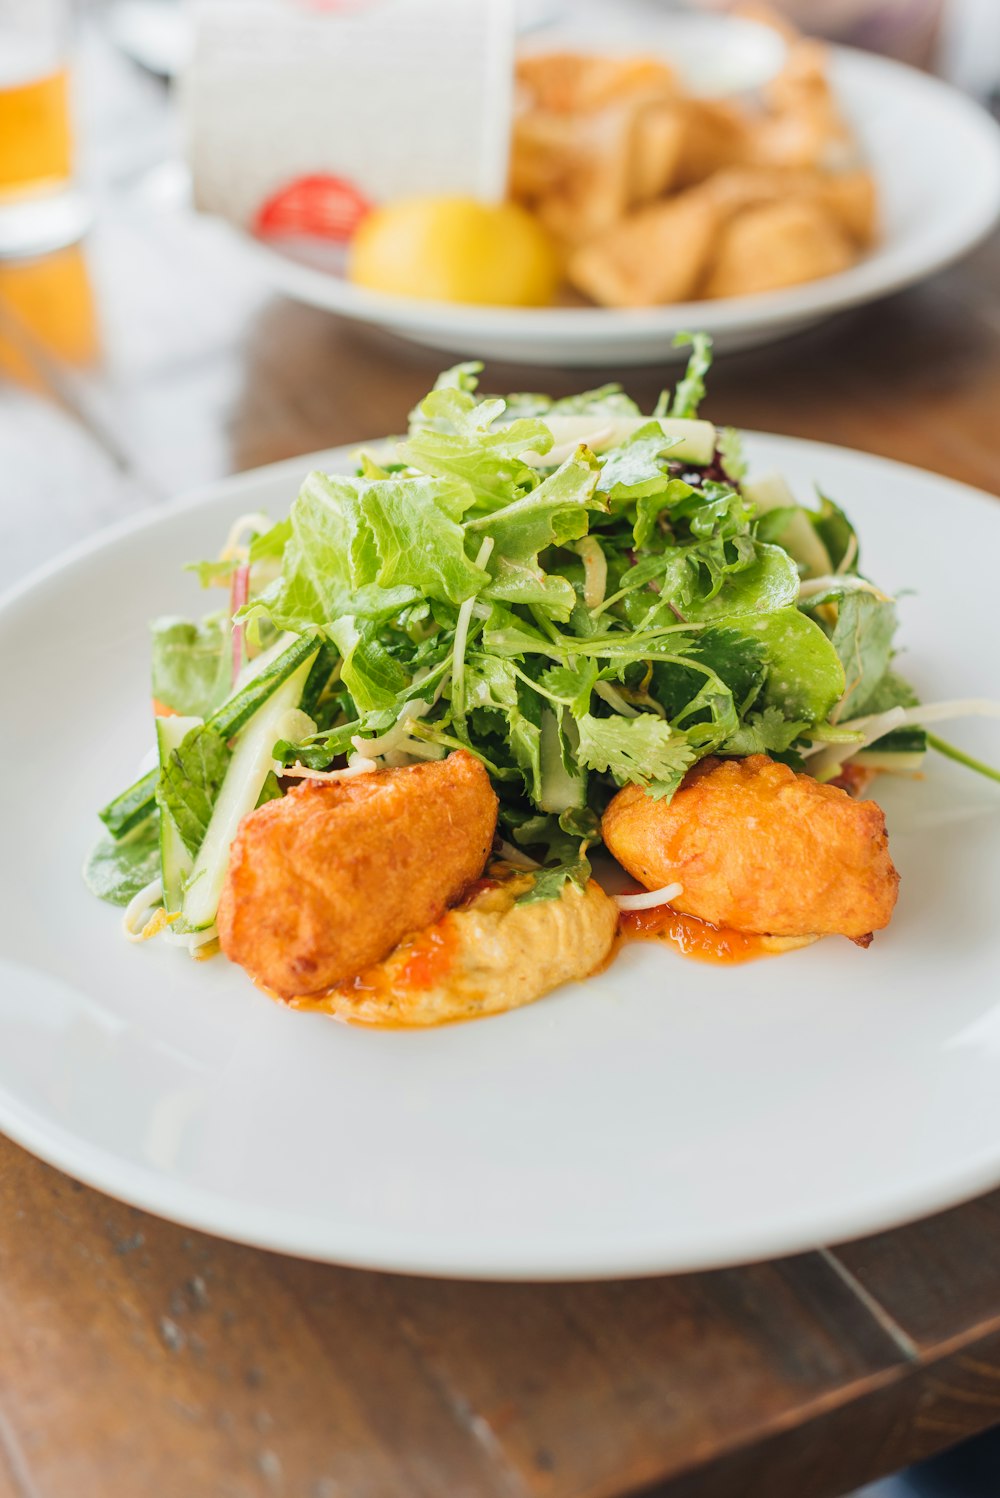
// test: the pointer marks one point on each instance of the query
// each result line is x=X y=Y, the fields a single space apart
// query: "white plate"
x=662 y=1116
x=935 y=154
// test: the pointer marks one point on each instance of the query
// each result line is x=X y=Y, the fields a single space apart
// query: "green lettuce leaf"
x=555 y=512
x=331 y=562
x=837 y=534
x=767 y=583
x=191 y=664
x=454 y=440
x=634 y=468
x=373 y=677
x=420 y=544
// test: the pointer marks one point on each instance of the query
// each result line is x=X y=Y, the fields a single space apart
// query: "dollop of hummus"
x=484 y=956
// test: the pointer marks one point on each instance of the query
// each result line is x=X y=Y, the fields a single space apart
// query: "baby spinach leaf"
x=837 y=534
x=863 y=638
x=118 y=868
x=804 y=674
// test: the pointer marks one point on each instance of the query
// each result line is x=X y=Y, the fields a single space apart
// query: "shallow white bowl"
x=936 y=156
x=662 y=1116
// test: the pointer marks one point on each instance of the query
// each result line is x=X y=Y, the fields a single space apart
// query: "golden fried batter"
x=327 y=880
x=758 y=848
x=488 y=955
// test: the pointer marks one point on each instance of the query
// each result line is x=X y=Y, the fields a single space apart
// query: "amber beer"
x=35 y=143
x=34 y=133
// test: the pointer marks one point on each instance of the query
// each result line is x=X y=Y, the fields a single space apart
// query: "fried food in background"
x=487 y=955
x=326 y=880
x=656 y=197
x=599 y=136
x=759 y=848
x=778 y=244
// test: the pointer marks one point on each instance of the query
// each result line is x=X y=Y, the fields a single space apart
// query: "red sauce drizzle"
x=691 y=936
x=475 y=889
x=430 y=957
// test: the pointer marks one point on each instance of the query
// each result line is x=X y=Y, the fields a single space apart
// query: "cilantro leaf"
x=766 y=732
x=550 y=883
x=644 y=750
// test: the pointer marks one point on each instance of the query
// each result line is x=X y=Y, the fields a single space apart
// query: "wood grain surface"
x=139 y=1358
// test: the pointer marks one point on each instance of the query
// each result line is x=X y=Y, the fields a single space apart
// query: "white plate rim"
x=331 y=1240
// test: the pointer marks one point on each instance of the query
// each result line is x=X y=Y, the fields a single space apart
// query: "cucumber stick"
x=559 y=791
x=692 y=441
x=799 y=537
x=264 y=674
x=240 y=791
x=175 y=860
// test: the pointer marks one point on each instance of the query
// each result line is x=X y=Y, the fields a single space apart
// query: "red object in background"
x=320 y=206
x=346 y=7
x=238 y=594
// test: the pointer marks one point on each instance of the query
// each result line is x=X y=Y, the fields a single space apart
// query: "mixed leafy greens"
x=581 y=595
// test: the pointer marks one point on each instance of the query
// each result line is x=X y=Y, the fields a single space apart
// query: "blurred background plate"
x=936 y=158
x=665 y=1115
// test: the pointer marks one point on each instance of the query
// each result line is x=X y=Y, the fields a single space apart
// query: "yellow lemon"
x=455 y=250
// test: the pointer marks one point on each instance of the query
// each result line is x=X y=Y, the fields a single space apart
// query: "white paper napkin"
x=301 y=113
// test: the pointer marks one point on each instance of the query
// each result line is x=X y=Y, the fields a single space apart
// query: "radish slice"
x=826 y=759
x=238 y=595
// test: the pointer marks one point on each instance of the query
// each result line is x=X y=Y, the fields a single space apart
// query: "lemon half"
x=455 y=250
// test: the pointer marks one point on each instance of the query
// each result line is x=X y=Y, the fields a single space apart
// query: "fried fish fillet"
x=759 y=848
x=487 y=955
x=776 y=245
x=327 y=880
x=651 y=257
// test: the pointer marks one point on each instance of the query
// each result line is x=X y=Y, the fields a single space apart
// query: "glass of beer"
x=39 y=207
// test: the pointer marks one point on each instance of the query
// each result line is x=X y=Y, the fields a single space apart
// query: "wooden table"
x=139 y=1358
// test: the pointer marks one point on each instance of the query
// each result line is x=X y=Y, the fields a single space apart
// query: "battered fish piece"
x=776 y=245
x=488 y=955
x=327 y=880
x=758 y=848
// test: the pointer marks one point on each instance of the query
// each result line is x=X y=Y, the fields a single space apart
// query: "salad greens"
x=581 y=595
